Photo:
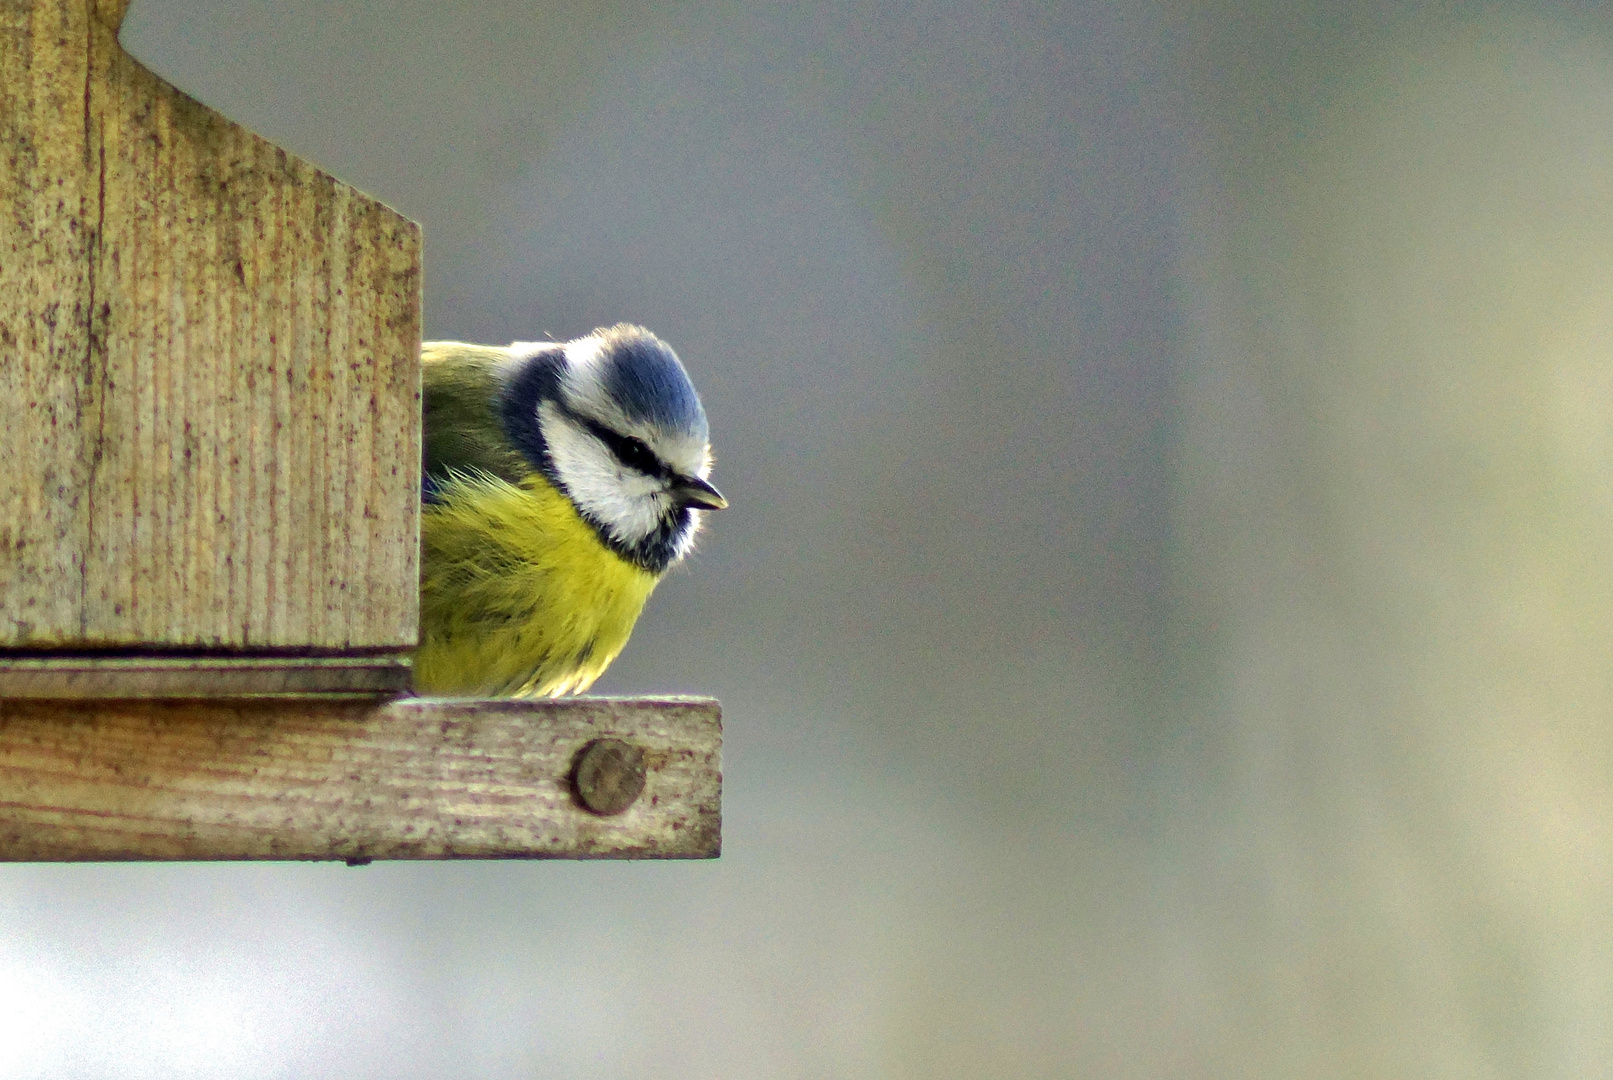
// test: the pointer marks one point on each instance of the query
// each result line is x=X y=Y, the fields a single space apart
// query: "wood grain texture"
x=209 y=366
x=118 y=677
x=415 y=778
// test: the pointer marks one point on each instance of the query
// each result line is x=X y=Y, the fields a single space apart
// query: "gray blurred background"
x=1165 y=621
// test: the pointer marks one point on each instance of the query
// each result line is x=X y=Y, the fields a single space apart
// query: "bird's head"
x=613 y=421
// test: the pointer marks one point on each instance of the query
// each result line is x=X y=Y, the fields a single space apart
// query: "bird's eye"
x=638 y=456
x=629 y=451
x=634 y=454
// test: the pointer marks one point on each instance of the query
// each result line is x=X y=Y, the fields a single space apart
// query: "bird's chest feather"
x=517 y=593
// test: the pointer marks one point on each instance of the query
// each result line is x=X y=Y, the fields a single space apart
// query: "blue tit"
x=561 y=481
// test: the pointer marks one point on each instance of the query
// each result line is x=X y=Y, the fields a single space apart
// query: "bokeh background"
x=1165 y=620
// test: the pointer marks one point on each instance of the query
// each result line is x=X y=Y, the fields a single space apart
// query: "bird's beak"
x=693 y=491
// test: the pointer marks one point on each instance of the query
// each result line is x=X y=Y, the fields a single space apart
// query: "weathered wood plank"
x=415 y=778
x=208 y=367
x=118 y=677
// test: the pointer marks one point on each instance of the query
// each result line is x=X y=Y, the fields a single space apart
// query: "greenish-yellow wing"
x=459 y=400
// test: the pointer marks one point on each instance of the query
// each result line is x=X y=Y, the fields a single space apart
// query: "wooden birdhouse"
x=209 y=513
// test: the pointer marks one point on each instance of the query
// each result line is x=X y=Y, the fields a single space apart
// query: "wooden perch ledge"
x=413 y=778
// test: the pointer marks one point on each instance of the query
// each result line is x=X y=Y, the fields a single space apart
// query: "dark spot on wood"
x=608 y=776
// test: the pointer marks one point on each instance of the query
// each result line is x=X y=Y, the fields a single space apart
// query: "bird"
x=560 y=482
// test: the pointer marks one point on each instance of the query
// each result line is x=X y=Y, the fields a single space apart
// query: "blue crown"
x=644 y=376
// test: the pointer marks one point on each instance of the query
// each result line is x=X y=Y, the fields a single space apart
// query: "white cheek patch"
x=629 y=504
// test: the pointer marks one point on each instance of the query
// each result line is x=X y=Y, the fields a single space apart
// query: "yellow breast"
x=517 y=593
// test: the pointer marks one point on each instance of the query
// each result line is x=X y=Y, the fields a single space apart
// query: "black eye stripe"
x=628 y=450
